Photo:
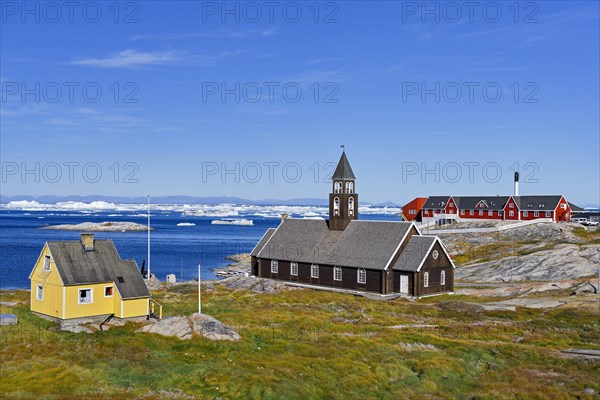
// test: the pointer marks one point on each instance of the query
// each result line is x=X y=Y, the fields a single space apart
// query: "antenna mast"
x=149 y=275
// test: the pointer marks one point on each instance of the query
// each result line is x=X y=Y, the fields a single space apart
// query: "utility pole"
x=199 y=291
x=149 y=275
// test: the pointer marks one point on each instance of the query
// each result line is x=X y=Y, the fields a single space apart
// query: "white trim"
x=91 y=295
x=39 y=289
x=358 y=271
x=311 y=271
x=112 y=291
x=293 y=264
x=443 y=277
x=38 y=260
x=261 y=238
x=49 y=258
x=337 y=268
x=412 y=224
x=274 y=266
x=123 y=315
x=426 y=279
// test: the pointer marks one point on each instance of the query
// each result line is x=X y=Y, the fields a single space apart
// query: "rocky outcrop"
x=565 y=261
x=186 y=327
x=253 y=283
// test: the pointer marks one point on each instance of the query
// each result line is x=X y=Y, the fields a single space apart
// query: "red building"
x=499 y=208
x=412 y=211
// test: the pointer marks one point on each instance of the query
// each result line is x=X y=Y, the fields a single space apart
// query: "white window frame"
x=314 y=271
x=46 y=263
x=274 y=266
x=351 y=206
x=490 y=213
x=443 y=277
x=39 y=292
x=435 y=254
x=336 y=206
x=536 y=213
x=480 y=213
x=337 y=273
x=112 y=291
x=525 y=213
x=511 y=213
x=462 y=212
x=426 y=279
x=511 y=205
x=361 y=276
x=471 y=212
x=548 y=214
x=294 y=268
x=91 y=296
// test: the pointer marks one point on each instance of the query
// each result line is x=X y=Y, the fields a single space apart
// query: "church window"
x=337 y=273
x=351 y=206
x=362 y=276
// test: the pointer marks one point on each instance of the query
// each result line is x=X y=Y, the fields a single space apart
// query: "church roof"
x=363 y=244
x=343 y=169
x=416 y=250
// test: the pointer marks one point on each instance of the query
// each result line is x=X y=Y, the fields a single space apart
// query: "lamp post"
x=199 y=291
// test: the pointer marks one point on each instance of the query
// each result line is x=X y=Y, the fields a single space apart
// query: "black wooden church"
x=348 y=253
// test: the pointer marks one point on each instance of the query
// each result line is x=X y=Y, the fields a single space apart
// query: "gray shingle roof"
x=575 y=207
x=414 y=253
x=79 y=267
x=436 y=202
x=262 y=241
x=343 y=169
x=538 y=202
x=470 y=202
x=363 y=244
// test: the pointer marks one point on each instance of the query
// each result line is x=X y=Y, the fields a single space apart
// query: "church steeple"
x=343 y=201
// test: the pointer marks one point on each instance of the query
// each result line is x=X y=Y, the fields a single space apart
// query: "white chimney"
x=87 y=240
x=516 y=183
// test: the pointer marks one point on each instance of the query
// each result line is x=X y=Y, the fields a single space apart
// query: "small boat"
x=186 y=224
x=241 y=221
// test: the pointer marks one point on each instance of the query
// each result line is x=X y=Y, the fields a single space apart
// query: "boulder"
x=170 y=326
x=210 y=328
x=185 y=327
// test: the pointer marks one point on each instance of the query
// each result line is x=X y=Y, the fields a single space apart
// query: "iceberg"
x=243 y=222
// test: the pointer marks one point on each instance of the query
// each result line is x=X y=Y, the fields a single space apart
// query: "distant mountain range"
x=181 y=200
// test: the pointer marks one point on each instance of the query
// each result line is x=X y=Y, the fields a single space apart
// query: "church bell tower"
x=343 y=201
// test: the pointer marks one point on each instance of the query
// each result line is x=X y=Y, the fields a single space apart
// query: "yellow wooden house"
x=87 y=278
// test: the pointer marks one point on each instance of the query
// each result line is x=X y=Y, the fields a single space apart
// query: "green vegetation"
x=590 y=236
x=304 y=344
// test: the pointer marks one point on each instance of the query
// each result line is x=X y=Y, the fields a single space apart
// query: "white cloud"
x=132 y=59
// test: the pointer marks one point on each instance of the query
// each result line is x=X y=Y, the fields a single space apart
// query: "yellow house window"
x=39 y=292
x=108 y=291
x=46 y=263
x=86 y=296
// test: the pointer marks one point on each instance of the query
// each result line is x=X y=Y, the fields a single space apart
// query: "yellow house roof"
x=78 y=266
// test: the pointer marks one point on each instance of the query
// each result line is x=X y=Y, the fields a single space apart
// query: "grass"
x=304 y=344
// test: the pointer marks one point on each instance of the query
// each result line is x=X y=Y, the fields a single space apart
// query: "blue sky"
x=368 y=73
